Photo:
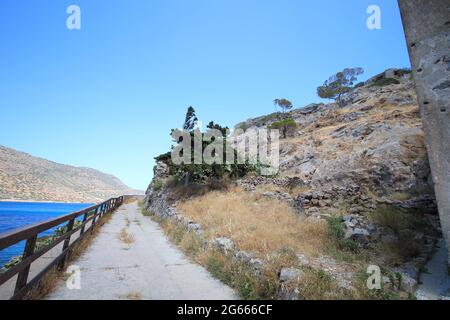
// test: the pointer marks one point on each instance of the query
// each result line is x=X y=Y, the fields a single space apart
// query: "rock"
x=350 y=224
x=357 y=234
x=362 y=130
x=386 y=280
x=347 y=218
x=288 y=274
x=193 y=227
x=224 y=243
x=411 y=270
x=256 y=264
x=310 y=108
x=355 y=210
x=161 y=170
x=343 y=283
x=408 y=283
x=243 y=256
x=313 y=211
x=366 y=108
x=269 y=194
x=302 y=260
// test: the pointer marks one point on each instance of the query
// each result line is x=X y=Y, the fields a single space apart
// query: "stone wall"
x=427 y=29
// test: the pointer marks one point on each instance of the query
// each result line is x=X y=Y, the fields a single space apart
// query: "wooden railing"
x=30 y=235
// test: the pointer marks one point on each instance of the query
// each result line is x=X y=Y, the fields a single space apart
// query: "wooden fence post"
x=84 y=220
x=66 y=243
x=23 y=275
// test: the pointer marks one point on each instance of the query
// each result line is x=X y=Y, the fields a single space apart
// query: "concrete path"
x=132 y=259
x=435 y=283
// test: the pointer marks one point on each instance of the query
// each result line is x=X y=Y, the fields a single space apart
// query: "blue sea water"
x=14 y=215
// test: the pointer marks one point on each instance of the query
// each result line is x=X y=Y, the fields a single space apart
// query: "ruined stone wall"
x=427 y=29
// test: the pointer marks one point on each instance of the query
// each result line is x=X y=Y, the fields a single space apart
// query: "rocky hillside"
x=375 y=141
x=354 y=189
x=24 y=177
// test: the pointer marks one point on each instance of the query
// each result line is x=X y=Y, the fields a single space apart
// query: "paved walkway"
x=435 y=283
x=132 y=259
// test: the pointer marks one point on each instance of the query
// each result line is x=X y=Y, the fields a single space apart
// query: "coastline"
x=44 y=201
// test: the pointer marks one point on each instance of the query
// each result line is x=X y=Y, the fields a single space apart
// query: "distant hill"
x=24 y=177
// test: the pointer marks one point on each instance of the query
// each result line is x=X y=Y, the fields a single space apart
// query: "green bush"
x=270 y=117
x=284 y=123
x=390 y=217
x=403 y=71
x=243 y=126
x=157 y=185
x=337 y=232
x=204 y=173
x=285 y=126
x=385 y=82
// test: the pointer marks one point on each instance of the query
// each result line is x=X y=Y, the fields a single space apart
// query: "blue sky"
x=106 y=96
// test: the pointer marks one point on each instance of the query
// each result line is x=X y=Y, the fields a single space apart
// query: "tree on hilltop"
x=190 y=120
x=339 y=84
x=284 y=104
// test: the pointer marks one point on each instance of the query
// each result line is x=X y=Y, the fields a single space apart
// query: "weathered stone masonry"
x=427 y=29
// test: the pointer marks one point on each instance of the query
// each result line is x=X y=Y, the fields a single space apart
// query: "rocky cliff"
x=362 y=167
x=24 y=177
x=375 y=141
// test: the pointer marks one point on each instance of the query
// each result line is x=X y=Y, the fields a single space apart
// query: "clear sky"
x=106 y=96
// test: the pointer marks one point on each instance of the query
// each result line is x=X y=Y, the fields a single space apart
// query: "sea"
x=15 y=215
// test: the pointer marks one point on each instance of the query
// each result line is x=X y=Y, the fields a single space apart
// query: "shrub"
x=403 y=71
x=284 y=125
x=337 y=232
x=243 y=126
x=405 y=225
x=339 y=84
x=390 y=217
x=202 y=173
x=270 y=117
x=385 y=82
x=157 y=185
x=286 y=122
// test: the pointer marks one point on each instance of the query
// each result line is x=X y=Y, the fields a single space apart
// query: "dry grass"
x=126 y=237
x=314 y=284
x=256 y=224
x=222 y=266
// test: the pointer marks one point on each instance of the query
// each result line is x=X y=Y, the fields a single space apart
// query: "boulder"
x=243 y=256
x=288 y=274
x=256 y=264
x=357 y=234
x=224 y=243
x=302 y=259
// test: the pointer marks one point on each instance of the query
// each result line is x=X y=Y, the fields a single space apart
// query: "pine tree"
x=339 y=84
x=190 y=120
x=284 y=104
